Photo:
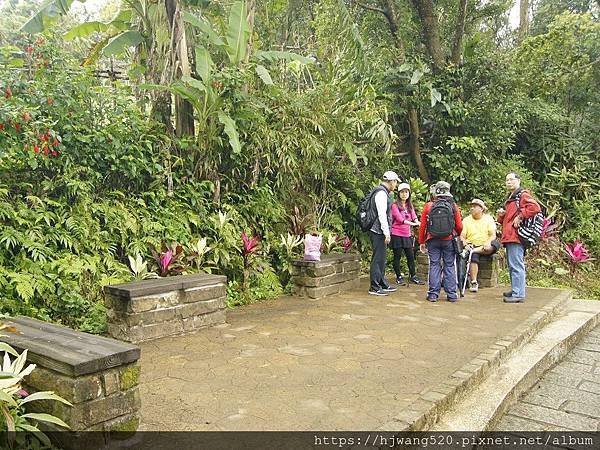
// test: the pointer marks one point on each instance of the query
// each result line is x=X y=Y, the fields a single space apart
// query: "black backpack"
x=440 y=221
x=367 y=211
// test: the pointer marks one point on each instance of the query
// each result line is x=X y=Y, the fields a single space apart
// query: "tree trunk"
x=387 y=8
x=431 y=34
x=184 y=112
x=415 y=144
x=523 y=19
x=457 y=46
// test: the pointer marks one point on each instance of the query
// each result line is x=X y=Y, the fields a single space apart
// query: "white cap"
x=403 y=186
x=390 y=175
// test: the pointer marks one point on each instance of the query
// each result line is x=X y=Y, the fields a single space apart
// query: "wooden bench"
x=335 y=273
x=150 y=309
x=98 y=375
x=489 y=267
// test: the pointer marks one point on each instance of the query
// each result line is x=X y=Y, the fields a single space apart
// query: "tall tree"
x=523 y=19
x=387 y=8
x=431 y=34
x=457 y=47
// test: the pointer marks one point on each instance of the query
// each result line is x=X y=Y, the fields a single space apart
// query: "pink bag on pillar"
x=312 y=247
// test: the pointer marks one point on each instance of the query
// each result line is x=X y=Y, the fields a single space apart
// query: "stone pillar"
x=98 y=375
x=489 y=266
x=422 y=266
x=150 y=309
x=335 y=273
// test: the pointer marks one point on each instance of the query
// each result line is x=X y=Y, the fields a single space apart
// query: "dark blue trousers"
x=442 y=253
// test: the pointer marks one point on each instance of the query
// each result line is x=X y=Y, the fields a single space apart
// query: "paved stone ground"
x=566 y=398
x=347 y=362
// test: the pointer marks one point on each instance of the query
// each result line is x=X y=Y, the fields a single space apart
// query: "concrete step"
x=431 y=404
x=481 y=407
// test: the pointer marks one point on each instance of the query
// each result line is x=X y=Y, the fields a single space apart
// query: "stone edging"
x=424 y=412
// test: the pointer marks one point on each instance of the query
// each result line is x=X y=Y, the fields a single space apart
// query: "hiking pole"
x=464 y=286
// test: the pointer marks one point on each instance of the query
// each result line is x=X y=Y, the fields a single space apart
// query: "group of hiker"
x=445 y=236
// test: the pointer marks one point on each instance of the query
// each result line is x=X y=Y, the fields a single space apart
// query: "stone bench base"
x=99 y=376
x=334 y=274
x=145 y=310
x=489 y=267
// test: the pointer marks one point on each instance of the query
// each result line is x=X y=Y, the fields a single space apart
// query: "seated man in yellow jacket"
x=479 y=236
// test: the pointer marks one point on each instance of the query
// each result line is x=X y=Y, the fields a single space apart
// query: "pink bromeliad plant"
x=168 y=259
x=346 y=243
x=577 y=253
x=549 y=228
x=250 y=246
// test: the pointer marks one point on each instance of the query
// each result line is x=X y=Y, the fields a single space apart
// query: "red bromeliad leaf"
x=346 y=244
x=165 y=260
x=250 y=245
x=577 y=252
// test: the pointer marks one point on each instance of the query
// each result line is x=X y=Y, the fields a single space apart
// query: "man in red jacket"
x=518 y=206
x=440 y=222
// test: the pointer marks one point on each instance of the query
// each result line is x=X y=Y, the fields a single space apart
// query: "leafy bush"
x=13 y=398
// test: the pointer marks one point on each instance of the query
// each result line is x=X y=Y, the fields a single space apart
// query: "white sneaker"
x=474 y=286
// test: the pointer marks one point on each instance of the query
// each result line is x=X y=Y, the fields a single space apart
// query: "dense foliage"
x=295 y=116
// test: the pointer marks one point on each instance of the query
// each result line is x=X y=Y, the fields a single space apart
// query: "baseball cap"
x=442 y=189
x=403 y=186
x=390 y=175
x=479 y=202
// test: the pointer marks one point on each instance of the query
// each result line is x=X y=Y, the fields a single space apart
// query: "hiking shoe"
x=474 y=286
x=432 y=298
x=452 y=299
x=400 y=281
x=514 y=299
x=380 y=292
x=507 y=294
x=416 y=280
x=389 y=289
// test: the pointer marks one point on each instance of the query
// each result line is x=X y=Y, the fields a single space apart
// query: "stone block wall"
x=489 y=267
x=335 y=273
x=145 y=310
x=99 y=376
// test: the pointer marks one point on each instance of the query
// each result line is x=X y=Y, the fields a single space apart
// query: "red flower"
x=1 y=126
x=26 y=116
x=55 y=143
x=17 y=126
x=43 y=137
x=54 y=153
x=45 y=151
x=36 y=149
x=29 y=49
x=49 y=100
x=8 y=92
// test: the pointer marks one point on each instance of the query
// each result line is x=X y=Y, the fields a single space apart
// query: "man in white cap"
x=380 y=233
x=479 y=236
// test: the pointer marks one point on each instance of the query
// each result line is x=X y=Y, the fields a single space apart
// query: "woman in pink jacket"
x=403 y=218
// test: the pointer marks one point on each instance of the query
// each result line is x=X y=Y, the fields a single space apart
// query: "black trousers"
x=410 y=260
x=378 y=261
